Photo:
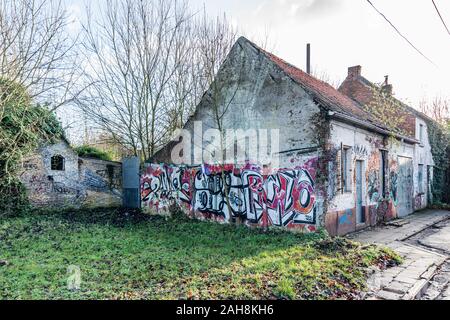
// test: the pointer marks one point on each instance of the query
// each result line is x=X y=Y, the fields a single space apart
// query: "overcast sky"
x=344 y=33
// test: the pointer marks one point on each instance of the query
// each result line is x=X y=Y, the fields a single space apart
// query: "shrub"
x=439 y=141
x=92 y=152
x=23 y=127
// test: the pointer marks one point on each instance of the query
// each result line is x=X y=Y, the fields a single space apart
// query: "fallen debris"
x=397 y=223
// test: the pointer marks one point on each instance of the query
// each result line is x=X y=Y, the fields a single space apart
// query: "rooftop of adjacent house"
x=327 y=96
x=357 y=76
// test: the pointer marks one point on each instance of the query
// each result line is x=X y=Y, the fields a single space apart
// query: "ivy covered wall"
x=439 y=139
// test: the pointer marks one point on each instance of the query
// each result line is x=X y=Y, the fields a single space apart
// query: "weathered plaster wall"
x=366 y=146
x=83 y=182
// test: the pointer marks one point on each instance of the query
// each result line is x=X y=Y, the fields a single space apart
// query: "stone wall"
x=82 y=182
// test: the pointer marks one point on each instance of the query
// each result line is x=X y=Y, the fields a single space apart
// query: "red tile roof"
x=326 y=95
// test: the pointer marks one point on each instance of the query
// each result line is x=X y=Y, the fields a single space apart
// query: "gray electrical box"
x=131 y=183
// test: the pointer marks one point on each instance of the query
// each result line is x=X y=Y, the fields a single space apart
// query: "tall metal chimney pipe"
x=308 y=58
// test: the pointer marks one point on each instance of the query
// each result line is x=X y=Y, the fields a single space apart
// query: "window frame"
x=421 y=133
x=346 y=169
x=60 y=165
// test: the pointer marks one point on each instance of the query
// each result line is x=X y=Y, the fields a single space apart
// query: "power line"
x=395 y=28
x=440 y=16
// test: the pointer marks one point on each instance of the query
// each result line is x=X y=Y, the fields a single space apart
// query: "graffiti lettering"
x=290 y=197
x=30 y=166
x=161 y=185
x=94 y=181
x=285 y=198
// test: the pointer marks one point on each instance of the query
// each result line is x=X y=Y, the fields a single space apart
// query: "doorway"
x=405 y=187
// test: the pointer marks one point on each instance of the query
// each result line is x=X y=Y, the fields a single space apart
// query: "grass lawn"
x=143 y=257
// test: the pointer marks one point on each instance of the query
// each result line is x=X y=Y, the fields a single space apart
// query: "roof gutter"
x=364 y=124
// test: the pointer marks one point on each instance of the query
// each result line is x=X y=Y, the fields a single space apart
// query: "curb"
x=421 y=286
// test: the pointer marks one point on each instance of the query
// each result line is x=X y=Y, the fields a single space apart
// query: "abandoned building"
x=340 y=166
x=55 y=176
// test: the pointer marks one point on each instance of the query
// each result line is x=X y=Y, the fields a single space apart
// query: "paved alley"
x=423 y=239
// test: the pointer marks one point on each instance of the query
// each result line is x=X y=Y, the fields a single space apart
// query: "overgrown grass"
x=440 y=206
x=93 y=152
x=140 y=257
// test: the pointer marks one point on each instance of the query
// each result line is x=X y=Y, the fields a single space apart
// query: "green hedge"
x=23 y=127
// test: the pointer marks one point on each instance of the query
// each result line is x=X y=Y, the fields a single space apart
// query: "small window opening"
x=346 y=169
x=57 y=163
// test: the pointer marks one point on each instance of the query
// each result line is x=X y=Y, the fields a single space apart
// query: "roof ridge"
x=329 y=96
x=365 y=81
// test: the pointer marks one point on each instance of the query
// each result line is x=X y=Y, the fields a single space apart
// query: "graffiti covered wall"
x=286 y=198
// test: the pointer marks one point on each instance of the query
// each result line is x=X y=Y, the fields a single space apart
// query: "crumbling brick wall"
x=55 y=176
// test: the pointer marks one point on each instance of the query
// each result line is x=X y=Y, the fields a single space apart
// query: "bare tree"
x=147 y=66
x=438 y=109
x=36 y=50
x=326 y=77
x=36 y=77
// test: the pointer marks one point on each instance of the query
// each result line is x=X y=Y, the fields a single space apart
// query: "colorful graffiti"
x=394 y=188
x=290 y=197
x=373 y=186
x=418 y=202
x=360 y=151
x=373 y=177
x=346 y=218
x=286 y=198
x=160 y=185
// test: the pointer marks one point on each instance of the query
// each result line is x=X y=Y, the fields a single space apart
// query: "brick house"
x=339 y=166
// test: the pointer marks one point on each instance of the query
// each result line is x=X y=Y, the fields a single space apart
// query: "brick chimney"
x=386 y=87
x=354 y=72
x=354 y=88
